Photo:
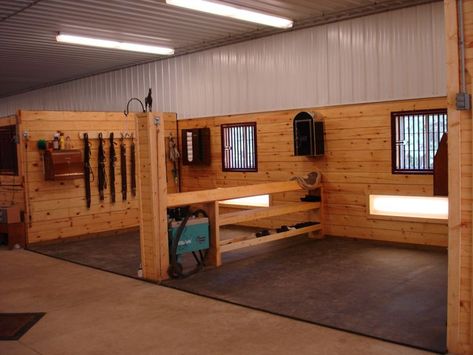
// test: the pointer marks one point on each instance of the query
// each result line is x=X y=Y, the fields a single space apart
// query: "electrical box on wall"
x=196 y=146
x=308 y=135
x=63 y=165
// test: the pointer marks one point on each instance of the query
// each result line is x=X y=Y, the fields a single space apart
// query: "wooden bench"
x=209 y=199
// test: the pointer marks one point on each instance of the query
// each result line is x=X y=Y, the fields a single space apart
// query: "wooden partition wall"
x=357 y=162
x=57 y=209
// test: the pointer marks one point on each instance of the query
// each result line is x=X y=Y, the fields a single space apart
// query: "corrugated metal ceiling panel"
x=31 y=58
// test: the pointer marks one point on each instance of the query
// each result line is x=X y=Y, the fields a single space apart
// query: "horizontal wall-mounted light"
x=105 y=43
x=409 y=206
x=233 y=12
x=255 y=201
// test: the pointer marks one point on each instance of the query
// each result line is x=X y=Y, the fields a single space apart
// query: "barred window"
x=239 y=147
x=415 y=140
x=8 y=154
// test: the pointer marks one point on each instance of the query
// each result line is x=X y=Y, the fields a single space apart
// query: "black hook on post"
x=127 y=111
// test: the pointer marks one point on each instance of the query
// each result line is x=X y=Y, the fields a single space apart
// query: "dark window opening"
x=8 y=151
x=239 y=147
x=415 y=140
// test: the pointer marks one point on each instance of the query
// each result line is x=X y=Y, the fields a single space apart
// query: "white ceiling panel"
x=30 y=57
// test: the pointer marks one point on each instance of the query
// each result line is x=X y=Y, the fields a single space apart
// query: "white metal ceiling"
x=31 y=58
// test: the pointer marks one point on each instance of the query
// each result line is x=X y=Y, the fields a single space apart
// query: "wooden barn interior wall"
x=357 y=162
x=57 y=209
x=11 y=186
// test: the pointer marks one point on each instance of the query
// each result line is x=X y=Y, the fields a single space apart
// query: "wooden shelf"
x=269 y=238
x=227 y=193
x=265 y=212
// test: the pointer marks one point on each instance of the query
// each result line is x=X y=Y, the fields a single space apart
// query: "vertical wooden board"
x=215 y=256
x=170 y=129
x=147 y=186
x=459 y=333
x=153 y=192
x=162 y=186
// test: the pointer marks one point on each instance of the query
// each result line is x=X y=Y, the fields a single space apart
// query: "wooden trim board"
x=272 y=237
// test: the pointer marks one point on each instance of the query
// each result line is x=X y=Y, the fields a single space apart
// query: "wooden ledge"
x=269 y=238
x=265 y=212
x=227 y=193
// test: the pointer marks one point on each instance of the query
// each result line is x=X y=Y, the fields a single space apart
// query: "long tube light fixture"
x=105 y=43
x=233 y=12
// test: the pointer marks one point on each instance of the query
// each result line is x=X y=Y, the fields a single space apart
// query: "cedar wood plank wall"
x=357 y=161
x=11 y=187
x=56 y=209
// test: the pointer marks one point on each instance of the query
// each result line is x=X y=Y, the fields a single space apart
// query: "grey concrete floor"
x=94 y=312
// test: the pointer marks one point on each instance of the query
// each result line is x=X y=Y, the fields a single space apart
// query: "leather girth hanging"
x=123 y=166
x=87 y=169
x=101 y=168
x=111 y=171
x=132 y=167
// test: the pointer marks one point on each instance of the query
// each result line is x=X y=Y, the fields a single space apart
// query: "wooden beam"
x=454 y=188
x=265 y=212
x=272 y=237
x=153 y=192
x=214 y=257
x=204 y=196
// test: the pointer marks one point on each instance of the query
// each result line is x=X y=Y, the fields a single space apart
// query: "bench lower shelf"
x=229 y=246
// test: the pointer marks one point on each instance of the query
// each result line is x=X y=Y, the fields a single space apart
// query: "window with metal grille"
x=415 y=140
x=8 y=155
x=239 y=147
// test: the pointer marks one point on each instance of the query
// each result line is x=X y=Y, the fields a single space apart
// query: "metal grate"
x=239 y=147
x=415 y=140
x=8 y=154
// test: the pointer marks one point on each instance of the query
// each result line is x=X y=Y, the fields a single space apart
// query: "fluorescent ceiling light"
x=409 y=206
x=234 y=12
x=104 y=43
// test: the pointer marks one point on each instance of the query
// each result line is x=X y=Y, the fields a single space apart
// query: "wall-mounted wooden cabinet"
x=308 y=135
x=63 y=165
x=196 y=146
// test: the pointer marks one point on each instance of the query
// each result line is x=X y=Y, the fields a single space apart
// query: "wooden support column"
x=457 y=338
x=316 y=215
x=215 y=256
x=151 y=171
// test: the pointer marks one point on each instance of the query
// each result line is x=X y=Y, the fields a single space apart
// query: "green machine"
x=194 y=237
x=189 y=235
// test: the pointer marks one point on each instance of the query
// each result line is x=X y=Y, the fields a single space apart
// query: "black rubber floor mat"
x=389 y=292
x=14 y=325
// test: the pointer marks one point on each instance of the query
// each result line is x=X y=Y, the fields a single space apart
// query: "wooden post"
x=215 y=256
x=152 y=187
x=317 y=215
x=454 y=338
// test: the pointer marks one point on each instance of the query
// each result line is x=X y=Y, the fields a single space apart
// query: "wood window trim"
x=222 y=146
x=394 y=169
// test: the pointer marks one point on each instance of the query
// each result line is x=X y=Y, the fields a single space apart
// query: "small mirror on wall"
x=308 y=135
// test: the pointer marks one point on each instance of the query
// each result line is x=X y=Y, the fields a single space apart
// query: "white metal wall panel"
x=393 y=55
